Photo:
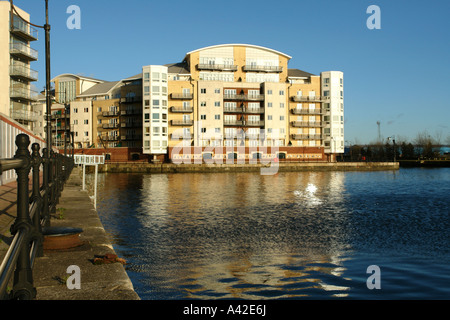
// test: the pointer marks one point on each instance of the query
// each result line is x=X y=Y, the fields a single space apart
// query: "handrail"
x=33 y=213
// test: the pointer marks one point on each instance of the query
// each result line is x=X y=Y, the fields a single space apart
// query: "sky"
x=397 y=75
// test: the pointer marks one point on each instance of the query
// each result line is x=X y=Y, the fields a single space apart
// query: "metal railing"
x=33 y=213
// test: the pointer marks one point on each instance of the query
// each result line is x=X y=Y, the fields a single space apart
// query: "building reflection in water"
x=234 y=235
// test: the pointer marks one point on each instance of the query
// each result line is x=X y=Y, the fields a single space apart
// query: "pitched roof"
x=297 y=73
x=99 y=89
x=178 y=68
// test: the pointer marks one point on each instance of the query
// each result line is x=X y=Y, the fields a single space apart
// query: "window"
x=155 y=103
x=269 y=104
x=203 y=130
x=155 y=116
x=146 y=90
x=217 y=104
x=86 y=121
x=269 y=91
x=281 y=104
x=282 y=118
x=147 y=103
x=281 y=92
x=146 y=76
x=203 y=90
x=203 y=104
x=216 y=90
x=86 y=109
x=99 y=109
x=203 y=117
x=76 y=121
x=217 y=117
x=155 y=89
x=269 y=117
x=217 y=130
x=326 y=93
x=86 y=134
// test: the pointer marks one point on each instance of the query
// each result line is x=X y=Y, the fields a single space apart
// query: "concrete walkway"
x=97 y=281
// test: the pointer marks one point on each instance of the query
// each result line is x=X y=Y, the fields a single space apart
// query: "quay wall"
x=140 y=167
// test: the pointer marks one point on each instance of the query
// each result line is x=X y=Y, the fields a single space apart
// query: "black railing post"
x=23 y=277
x=36 y=197
x=45 y=183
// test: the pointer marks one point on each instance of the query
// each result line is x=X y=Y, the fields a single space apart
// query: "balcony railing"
x=182 y=96
x=306 y=111
x=259 y=68
x=254 y=110
x=244 y=97
x=110 y=125
x=181 y=122
x=23 y=93
x=233 y=123
x=306 y=123
x=23 y=51
x=306 y=136
x=24 y=30
x=182 y=109
x=24 y=115
x=254 y=123
x=307 y=98
x=183 y=136
x=217 y=67
x=233 y=110
x=23 y=72
x=110 y=113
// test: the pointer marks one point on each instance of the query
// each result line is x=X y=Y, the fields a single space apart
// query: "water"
x=296 y=235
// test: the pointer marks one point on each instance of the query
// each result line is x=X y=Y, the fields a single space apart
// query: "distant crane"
x=379 y=131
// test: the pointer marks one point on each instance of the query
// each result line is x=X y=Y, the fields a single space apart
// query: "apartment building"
x=241 y=95
x=16 y=55
x=224 y=96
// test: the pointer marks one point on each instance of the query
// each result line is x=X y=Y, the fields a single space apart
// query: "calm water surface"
x=293 y=235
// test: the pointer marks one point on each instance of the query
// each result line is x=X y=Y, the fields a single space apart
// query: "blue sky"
x=398 y=75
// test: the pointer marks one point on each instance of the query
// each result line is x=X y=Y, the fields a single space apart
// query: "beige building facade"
x=17 y=92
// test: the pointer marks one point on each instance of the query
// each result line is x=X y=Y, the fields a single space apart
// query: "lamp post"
x=393 y=141
x=47 y=76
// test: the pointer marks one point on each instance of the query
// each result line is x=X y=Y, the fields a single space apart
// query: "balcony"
x=306 y=111
x=24 y=115
x=217 y=67
x=114 y=113
x=23 y=93
x=306 y=124
x=59 y=116
x=23 y=51
x=256 y=68
x=254 y=123
x=307 y=98
x=306 y=136
x=232 y=110
x=254 y=110
x=184 y=136
x=110 y=125
x=233 y=123
x=244 y=97
x=182 y=122
x=109 y=138
x=23 y=72
x=23 y=30
x=182 y=96
x=181 y=109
